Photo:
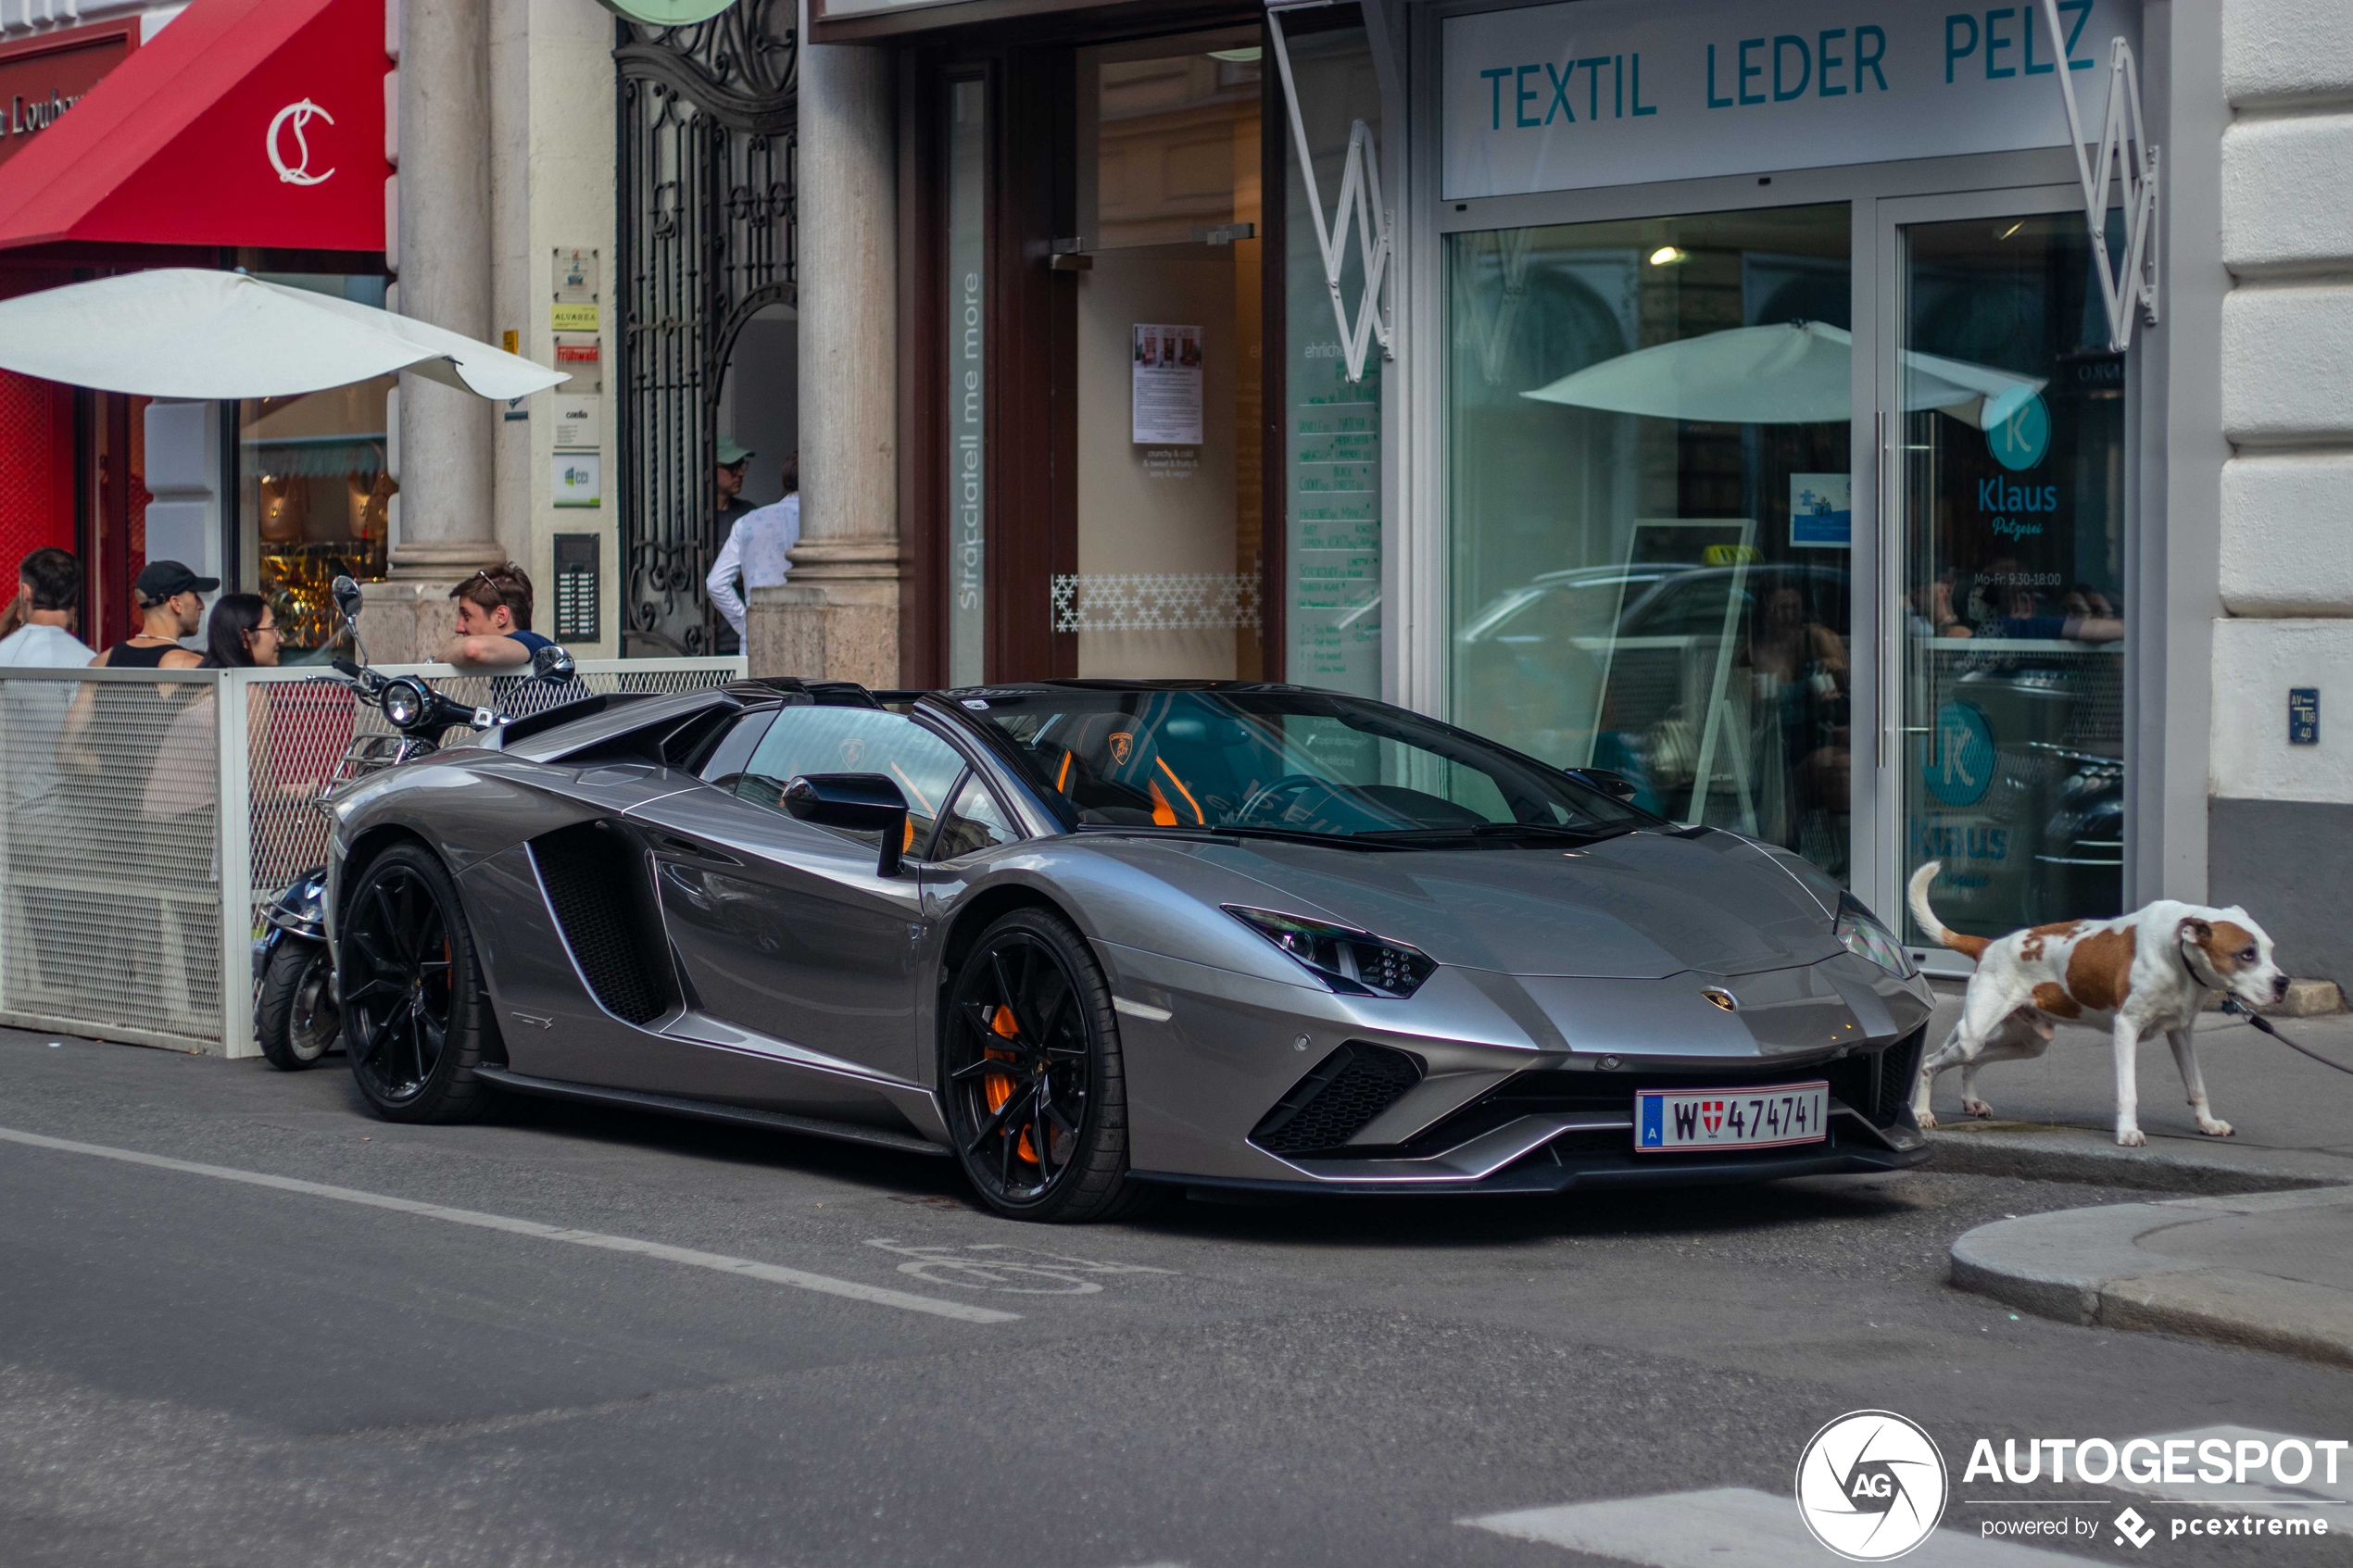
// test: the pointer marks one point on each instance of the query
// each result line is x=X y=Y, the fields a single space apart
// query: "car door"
x=784 y=929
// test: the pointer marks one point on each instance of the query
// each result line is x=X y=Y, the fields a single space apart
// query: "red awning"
x=243 y=123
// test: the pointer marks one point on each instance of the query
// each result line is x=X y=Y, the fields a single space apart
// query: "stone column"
x=447 y=524
x=838 y=616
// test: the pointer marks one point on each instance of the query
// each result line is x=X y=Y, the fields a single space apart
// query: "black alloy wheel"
x=415 y=1011
x=1030 y=1075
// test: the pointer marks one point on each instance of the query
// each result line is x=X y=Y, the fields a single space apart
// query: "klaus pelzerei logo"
x=1870 y=1485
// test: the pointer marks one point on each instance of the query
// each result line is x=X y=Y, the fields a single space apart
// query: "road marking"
x=1731 y=1524
x=800 y=1279
x=1058 y=1274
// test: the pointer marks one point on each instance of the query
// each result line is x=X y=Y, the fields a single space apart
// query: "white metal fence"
x=147 y=817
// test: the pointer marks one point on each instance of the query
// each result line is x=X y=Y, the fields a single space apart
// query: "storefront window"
x=1650 y=509
x=1332 y=458
x=1169 y=406
x=2013 y=494
x=314 y=481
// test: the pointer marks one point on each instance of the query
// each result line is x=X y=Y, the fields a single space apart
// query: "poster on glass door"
x=1167 y=397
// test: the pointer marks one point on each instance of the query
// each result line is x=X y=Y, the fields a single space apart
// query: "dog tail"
x=1916 y=895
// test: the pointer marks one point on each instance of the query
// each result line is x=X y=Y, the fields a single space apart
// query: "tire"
x=416 y=1012
x=296 y=1014
x=1029 y=1033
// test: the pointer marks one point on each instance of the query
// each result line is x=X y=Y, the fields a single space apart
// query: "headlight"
x=404 y=703
x=1865 y=938
x=1354 y=962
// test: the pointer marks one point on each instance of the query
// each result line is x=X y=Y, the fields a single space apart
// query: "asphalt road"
x=839 y=1359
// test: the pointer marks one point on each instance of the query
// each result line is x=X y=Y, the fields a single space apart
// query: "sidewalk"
x=2271 y=1272
x=2056 y=1116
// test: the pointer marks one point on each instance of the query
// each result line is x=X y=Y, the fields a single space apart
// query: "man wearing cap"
x=170 y=598
x=733 y=458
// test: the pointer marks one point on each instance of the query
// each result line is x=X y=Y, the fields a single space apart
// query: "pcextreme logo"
x=1872 y=1486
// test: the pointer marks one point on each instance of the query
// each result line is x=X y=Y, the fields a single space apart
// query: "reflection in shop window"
x=315 y=486
x=316 y=483
x=1650 y=509
x=1332 y=462
x=2014 y=564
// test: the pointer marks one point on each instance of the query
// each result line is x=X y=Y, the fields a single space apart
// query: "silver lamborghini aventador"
x=1088 y=937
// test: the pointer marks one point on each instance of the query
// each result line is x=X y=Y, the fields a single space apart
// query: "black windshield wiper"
x=1503 y=830
x=1280 y=836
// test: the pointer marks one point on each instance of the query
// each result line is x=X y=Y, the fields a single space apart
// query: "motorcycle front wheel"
x=296 y=1014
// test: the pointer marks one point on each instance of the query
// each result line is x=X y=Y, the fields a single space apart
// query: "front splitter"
x=1536 y=1176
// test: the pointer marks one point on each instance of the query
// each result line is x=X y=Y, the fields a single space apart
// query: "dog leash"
x=2231 y=1005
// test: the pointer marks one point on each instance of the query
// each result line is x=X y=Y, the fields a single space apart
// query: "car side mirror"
x=1617 y=787
x=855 y=803
x=551 y=663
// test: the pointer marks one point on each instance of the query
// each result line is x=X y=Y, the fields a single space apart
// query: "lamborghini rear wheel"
x=1030 y=1075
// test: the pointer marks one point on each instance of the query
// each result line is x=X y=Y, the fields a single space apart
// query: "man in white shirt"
x=755 y=550
x=48 y=594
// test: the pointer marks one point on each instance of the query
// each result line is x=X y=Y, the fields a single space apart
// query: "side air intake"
x=1338 y=1100
x=596 y=880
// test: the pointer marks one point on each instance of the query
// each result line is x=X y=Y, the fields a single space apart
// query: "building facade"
x=273 y=136
x=1738 y=406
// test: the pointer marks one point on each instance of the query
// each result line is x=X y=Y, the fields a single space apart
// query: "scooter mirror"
x=551 y=663
x=348 y=597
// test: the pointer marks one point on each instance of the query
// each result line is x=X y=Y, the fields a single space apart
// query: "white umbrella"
x=1796 y=372
x=179 y=332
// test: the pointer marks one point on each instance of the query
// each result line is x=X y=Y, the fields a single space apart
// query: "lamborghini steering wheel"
x=1290 y=784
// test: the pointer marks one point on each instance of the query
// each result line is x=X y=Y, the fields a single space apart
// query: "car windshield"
x=1287 y=763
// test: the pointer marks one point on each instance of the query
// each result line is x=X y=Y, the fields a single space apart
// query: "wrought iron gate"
x=707 y=213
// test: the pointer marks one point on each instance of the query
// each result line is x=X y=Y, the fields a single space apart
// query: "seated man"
x=494 y=619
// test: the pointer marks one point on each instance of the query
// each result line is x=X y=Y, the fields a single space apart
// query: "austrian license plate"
x=1757 y=1118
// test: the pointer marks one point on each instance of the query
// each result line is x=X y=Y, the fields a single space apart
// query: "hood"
x=1644 y=906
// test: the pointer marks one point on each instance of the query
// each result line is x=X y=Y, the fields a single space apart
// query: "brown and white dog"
x=2138 y=975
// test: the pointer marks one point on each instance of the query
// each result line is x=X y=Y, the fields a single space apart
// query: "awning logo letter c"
x=295 y=117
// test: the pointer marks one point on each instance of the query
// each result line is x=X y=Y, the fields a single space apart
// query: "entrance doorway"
x=1170 y=373
x=2004 y=418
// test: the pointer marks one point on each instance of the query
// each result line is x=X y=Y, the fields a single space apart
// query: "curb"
x=2085 y=1266
x=2040 y=1151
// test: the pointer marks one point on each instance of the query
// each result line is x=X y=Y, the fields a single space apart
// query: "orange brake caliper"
x=999 y=1086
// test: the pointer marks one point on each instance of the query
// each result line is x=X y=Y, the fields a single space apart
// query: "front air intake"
x=1338 y=1100
x=1899 y=1069
x=596 y=883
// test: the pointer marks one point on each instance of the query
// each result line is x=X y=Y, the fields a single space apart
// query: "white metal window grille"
x=147 y=817
x=1360 y=200
x=1157 y=601
x=2128 y=282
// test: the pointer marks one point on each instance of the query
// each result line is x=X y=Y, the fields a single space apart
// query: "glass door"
x=1170 y=473
x=2002 y=427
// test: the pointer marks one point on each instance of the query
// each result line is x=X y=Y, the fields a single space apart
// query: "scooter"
x=296 y=1014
